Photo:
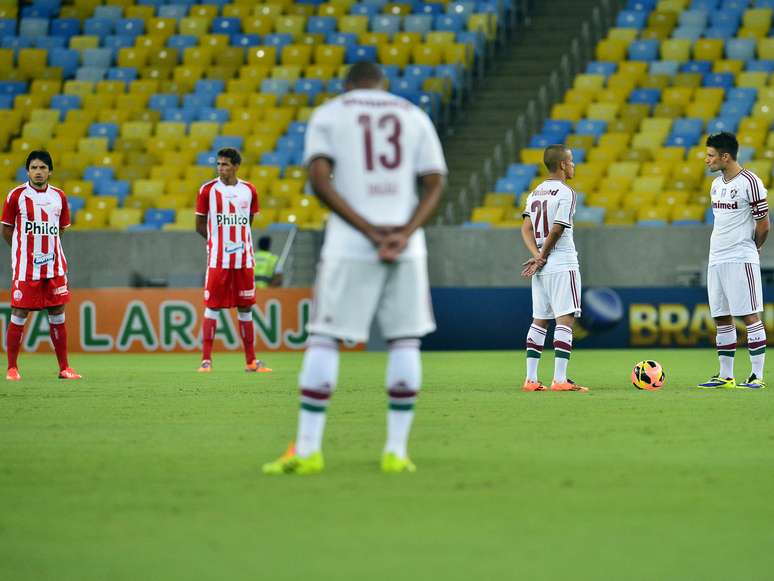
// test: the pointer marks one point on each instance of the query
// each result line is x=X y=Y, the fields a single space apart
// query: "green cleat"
x=292 y=463
x=391 y=464
x=752 y=383
x=717 y=382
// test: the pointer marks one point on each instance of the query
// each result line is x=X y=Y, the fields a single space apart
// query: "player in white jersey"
x=556 y=283
x=375 y=145
x=225 y=208
x=35 y=215
x=741 y=226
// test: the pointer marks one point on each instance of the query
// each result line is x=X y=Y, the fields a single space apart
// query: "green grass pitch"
x=147 y=470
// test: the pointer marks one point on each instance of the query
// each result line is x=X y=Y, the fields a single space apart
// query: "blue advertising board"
x=498 y=318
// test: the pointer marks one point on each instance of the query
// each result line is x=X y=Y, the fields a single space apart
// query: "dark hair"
x=553 y=155
x=40 y=155
x=231 y=154
x=724 y=142
x=364 y=73
x=264 y=243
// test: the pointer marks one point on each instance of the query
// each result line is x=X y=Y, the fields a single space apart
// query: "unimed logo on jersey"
x=231 y=220
x=725 y=206
x=40 y=228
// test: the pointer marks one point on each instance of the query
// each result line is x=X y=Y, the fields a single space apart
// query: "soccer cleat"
x=530 y=385
x=68 y=373
x=568 y=385
x=717 y=382
x=205 y=367
x=13 y=374
x=752 y=383
x=391 y=464
x=292 y=463
x=257 y=366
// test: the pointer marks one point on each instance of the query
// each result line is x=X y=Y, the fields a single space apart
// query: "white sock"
x=562 y=351
x=404 y=378
x=726 y=345
x=536 y=338
x=756 y=343
x=317 y=381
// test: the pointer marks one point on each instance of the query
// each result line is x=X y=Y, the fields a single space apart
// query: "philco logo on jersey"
x=40 y=228
x=231 y=220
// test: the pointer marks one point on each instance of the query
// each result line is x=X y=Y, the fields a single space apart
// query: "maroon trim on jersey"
x=574 y=289
x=732 y=179
x=751 y=285
x=565 y=224
x=754 y=189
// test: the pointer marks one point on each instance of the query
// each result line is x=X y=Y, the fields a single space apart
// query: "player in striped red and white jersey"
x=34 y=216
x=225 y=208
x=734 y=289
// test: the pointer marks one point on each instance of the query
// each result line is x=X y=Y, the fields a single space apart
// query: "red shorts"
x=226 y=288
x=34 y=295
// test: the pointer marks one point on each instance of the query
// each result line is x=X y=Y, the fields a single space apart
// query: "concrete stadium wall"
x=621 y=257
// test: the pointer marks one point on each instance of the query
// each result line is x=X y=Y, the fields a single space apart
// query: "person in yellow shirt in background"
x=266 y=274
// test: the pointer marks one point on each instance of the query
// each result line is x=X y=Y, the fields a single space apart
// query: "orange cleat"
x=68 y=373
x=13 y=374
x=568 y=385
x=257 y=366
x=205 y=367
x=530 y=385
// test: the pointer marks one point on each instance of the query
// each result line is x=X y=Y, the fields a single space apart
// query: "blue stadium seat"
x=724 y=123
x=155 y=3
x=706 y=5
x=578 y=155
x=760 y=66
x=66 y=59
x=76 y=204
x=405 y=84
x=474 y=38
x=113 y=13
x=278 y=87
x=98 y=173
x=297 y=128
x=476 y=225
x=100 y=27
x=209 y=86
x=177 y=114
x=709 y=216
x=643 y=50
x=121 y=74
x=646 y=96
x=693 y=18
x=109 y=130
x=311 y=87
x=335 y=85
x=6 y=101
x=222 y=141
x=7 y=27
x=692 y=33
x=130 y=26
x=321 y=24
x=589 y=214
x=449 y=22
x=601 y=68
x=176 y=11
x=158 y=217
x=514 y=184
x=696 y=67
x=245 y=40
x=213 y=114
x=631 y=19
x=17 y=42
x=559 y=127
x=90 y=74
x=429 y=8
x=21 y=175
x=13 y=87
x=50 y=43
x=641 y=5
x=33 y=27
x=722 y=80
x=97 y=57
x=290 y=144
x=745 y=154
x=422 y=23
x=196 y=101
x=161 y=101
x=65 y=103
x=451 y=72
x=723 y=32
x=116 y=188
x=737 y=109
x=420 y=72
x=725 y=18
x=522 y=170
x=543 y=140
x=66 y=27
x=182 y=41
x=388 y=23
x=392 y=71
x=681 y=140
x=275 y=158
x=360 y=53
x=278 y=40
x=117 y=41
x=364 y=10
x=742 y=49
x=669 y=68
x=745 y=94
x=208 y=158
x=341 y=38
x=225 y=25
x=595 y=127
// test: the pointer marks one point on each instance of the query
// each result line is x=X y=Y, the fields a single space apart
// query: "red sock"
x=13 y=339
x=247 y=330
x=58 y=335
x=208 y=336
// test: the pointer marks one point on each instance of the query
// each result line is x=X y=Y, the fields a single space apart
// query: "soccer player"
x=376 y=146
x=35 y=215
x=556 y=283
x=734 y=273
x=225 y=209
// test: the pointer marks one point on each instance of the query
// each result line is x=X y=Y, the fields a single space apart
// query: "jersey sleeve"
x=565 y=208
x=429 y=155
x=64 y=217
x=203 y=201
x=758 y=197
x=254 y=206
x=525 y=213
x=318 y=141
x=10 y=209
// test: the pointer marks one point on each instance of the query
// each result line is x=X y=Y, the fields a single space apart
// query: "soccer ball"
x=648 y=375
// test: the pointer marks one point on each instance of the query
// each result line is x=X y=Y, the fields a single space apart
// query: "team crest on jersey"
x=733 y=193
x=60 y=290
x=17 y=295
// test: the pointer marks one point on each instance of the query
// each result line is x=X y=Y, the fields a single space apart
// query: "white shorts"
x=348 y=293
x=556 y=294
x=734 y=288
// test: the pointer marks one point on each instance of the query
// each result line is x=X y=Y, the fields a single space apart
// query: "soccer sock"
x=536 y=338
x=726 y=344
x=13 y=339
x=209 y=325
x=404 y=378
x=58 y=333
x=562 y=350
x=247 y=331
x=756 y=343
x=319 y=373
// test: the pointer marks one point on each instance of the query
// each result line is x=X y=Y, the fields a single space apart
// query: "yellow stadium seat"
x=589 y=81
x=709 y=49
x=30 y=61
x=136 y=130
x=150 y=42
x=762 y=168
x=498 y=200
x=657 y=125
x=110 y=88
x=653 y=214
x=636 y=200
x=265 y=56
x=288 y=73
x=692 y=80
x=728 y=66
x=82 y=188
x=208 y=11
x=766 y=48
x=142 y=12
x=580 y=141
x=606 y=154
x=676 y=49
x=677 y=95
x=705 y=111
x=608 y=200
x=612 y=49
x=692 y=212
x=532 y=155
x=260 y=144
x=257 y=25
x=148 y=188
x=619 y=217
x=410 y=39
x=329 y=55
x=753 y=139
x=758 y=19
x=626 y=35
x=654 y=81
x=122 y=218
x=88 y=219
x=102 y=203
x=197 y=56
x=617 y=140
x=647 y=141
x=618 y=184
x=266 y=217
x=571 y=112
x=648 y=184
x=285 y=188
x=657 y=168
x=194 y=25
x=439 y=37
x=613 y=95
x=187 y=75
x=628 y=169
x=753 y=79
x=713 y=95
x=294 y=25
x=160 y=26
x=485 y=214
x=426 y=54
x=81 y=42
x=603 y=111
x=763 y=109
x=92 y=145
x=672 y=198
x=458 y=54
x=579 y=97
x=296 y=54
x=391 y=54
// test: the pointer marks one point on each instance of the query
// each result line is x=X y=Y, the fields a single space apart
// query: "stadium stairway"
x=517 y=73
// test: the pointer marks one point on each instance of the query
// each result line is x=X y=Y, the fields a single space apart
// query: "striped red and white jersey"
x=38 y=217
x=229 y=210
x=736 y=205
x=553 y=202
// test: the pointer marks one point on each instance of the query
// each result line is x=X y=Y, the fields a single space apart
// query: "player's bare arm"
x=201 y=225
x=762 y=228
x=397 y=240
x=320 y=170
x=8 y=234
x=535 y=263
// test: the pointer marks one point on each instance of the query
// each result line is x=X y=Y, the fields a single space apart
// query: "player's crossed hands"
x=390 y=241
x=531 y=266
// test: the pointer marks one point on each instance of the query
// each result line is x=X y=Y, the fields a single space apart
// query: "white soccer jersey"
x=228 y=210
x=38 y=218
x=553 y=202
x=736 y=205
x=379 y=144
